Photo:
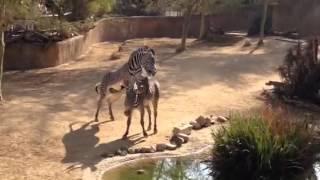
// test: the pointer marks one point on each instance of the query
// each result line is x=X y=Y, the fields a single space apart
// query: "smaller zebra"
x=139 y=95
x=141 y=64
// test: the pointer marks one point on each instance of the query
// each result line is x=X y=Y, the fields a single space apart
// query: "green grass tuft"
x=264 y=145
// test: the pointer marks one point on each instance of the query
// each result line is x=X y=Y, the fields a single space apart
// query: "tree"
x=10 y=11
x=263 y=21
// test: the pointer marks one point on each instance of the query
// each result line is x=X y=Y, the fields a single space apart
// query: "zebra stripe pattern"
x=141 y=64
x=137 y=61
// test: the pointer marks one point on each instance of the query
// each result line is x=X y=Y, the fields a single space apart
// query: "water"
x=172 y=169
x=164 y=169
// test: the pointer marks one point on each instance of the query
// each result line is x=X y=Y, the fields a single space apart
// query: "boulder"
x=161 y=147
x=246 y=43
x=221 y=119
x=186 y=129
x=170 y=147
x=204 y=122
x=131 y=151
x=195 y=125
x=184 y=137
x=177 y=140
x=150 y=149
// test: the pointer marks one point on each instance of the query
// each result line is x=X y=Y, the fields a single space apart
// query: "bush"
x=300 y=72
x=264 y=145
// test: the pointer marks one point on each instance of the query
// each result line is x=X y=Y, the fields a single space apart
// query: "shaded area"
x=83 y=149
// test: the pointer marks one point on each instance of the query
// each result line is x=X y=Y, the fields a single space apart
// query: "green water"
x=164 y=169
x=174 y=169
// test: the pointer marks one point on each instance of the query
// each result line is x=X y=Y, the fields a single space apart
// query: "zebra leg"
x=128 y=124
x=110 y=111
x=149 y=115
x=142 y=121
x=101 y=98
x=155 y=114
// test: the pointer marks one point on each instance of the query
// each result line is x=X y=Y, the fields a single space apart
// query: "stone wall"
x=302 y=15
x=29 y=56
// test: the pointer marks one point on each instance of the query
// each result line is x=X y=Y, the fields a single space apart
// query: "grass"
x=264 y=145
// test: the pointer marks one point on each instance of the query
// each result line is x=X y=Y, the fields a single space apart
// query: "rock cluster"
x=180 y=136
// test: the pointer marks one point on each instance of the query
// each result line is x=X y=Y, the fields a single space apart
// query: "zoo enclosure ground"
x=44 y=123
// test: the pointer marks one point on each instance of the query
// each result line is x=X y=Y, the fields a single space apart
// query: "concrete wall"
x=29 y=56
x=300 y=15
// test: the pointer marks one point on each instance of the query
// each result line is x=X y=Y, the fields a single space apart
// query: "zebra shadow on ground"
x=83 y=149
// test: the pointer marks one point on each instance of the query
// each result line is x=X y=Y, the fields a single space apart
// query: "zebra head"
x=148 y=63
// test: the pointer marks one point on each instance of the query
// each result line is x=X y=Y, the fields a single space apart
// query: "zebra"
x=139 y=95
x=141 y=64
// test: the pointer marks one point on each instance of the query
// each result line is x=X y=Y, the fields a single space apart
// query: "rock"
x=141 y=171
x=124 y=153
x=170 y=147
x=184 y=137
x=204 y=122
x=246 y=43
x=107 y=155
x=131 y=151
x=186 y=129
x=161 y=147
x=213 y=119
x=137 y=150
x=150 y=149
x=195 y=125
x=177 y=140
x=118 y=152
x=221 y=119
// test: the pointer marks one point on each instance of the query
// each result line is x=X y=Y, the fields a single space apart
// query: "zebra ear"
x=152 y=51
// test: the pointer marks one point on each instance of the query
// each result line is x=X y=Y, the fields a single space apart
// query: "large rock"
x=221 y=119
x=204 y=122
x=131 y=151
x=177 y=140
x=186 y=129
x=184 y=137
x=170 y=147
x=161 y=147
x=195 y=125
x=150 y=149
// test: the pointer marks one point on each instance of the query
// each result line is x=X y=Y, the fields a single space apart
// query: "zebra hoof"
x=124 y=137
x=155 y=131
x=145 y=134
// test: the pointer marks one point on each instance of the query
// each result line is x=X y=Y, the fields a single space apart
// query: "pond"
x=170 y=169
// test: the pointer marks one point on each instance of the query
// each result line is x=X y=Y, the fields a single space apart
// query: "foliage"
x=264 y=145
x=300 y=71
x=136 y=7
x=99 y=7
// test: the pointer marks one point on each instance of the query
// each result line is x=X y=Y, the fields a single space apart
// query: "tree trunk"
x=2 y=44
x=202 y=26
x=2 y=50
x=263 y=21
x=185 y=31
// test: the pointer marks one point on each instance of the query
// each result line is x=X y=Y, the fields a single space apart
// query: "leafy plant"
x=300 y=72
x=263 y=145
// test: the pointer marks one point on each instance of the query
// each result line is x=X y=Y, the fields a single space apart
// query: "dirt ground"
x=44 y=124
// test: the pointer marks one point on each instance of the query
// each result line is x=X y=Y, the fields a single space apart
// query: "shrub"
x=300 y=72
x=263 y=145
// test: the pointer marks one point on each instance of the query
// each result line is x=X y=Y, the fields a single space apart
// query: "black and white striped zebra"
x=146 y=92
x=141 y=64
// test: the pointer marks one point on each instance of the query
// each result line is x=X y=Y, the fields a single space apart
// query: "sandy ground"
x=44 y=124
